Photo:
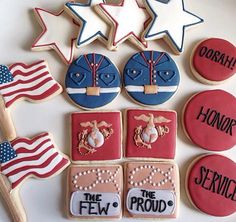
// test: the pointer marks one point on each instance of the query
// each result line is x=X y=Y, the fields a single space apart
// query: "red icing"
x=209 y=61
x=163 y=147
x=111 y=149
x=209 y=133
x=208 y=200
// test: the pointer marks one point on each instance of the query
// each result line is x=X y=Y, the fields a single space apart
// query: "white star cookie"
x=59 y=33
x=92 y=26
x=127 y=19
x=169 y=20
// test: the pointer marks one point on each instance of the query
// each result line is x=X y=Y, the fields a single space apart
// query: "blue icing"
x=163 y=1
x=80 y=75
x=165 y=75
x=6 y=152
x=5 y=75
x=78 y=5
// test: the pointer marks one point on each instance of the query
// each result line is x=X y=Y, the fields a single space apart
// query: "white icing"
x=101 y=177
x=106 y=200
x=150 y=178
x=96 y=139
x=149 y=134
x=39 y=161
x=130 y=19
x=157 y=195
x=31 y=145
x=102 y=90
x=131 y=88
x=36 y=92
x=23 y=155
x=24 y=76
x=40 y=171
x=25 y=70
x=171 y=18
x=60 y=34
x=93 y=27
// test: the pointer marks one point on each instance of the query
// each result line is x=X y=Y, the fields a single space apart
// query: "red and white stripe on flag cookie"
x=33 y=82
x=36 y=157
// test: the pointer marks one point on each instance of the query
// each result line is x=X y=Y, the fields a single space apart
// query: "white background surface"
x=44 y=199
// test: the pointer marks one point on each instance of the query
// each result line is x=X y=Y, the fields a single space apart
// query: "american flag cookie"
x=20 y=81
x=150 y=133
x=96 y=136
x=95 y=192
x=23 y=158
x=151 y=190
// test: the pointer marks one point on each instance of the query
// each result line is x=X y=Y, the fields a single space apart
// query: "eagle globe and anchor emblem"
x=146 y=136
x=92 y=139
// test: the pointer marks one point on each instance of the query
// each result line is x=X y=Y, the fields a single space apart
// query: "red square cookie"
x=95 y=192
x=96 y=136
x=150 y=133
x=151 y=190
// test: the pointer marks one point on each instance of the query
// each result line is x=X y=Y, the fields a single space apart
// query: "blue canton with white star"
x=5 y=75
x=6 y=152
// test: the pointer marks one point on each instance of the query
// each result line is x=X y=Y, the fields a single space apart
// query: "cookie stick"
x=12 y=200
x=6 y=123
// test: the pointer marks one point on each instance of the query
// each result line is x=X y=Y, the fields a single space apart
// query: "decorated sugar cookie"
x=95 y=192
x=59 y=33
x=150 y=133
x=170 y=20
x=151 y=77
x=213 y=61
x=92 y=81
x=209 y=120
x=211 y=185
x=92 y=27
x=127 y=21
x=151 y=190
x=96 y=136
x=24 y=158
x=20 y=81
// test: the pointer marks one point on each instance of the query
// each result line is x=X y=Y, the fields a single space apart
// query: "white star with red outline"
x=128 y=20
x=59 y=33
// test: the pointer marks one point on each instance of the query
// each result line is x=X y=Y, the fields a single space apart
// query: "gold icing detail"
x=150 y=89
x=93 y=91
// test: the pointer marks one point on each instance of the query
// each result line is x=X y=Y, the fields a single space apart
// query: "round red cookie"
x=209 y=120
x=211 y=185
x=213 y=61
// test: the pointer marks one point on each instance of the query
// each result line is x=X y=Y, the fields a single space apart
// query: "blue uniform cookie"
x=151 y=77
x=92 y=81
